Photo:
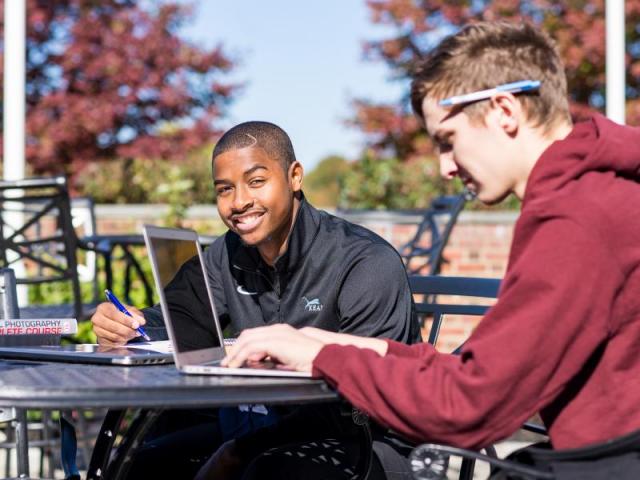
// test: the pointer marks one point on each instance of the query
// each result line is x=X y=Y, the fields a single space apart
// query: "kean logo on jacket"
x=312 y=305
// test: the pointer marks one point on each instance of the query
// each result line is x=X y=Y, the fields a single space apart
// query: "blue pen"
x=515 y=87
x=113 y=299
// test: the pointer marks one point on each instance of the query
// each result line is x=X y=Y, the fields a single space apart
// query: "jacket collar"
x=303 y=233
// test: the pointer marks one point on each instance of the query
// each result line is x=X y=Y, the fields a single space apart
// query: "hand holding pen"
x=114 y=300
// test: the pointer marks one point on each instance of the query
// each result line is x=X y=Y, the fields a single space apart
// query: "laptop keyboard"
x=260 y=365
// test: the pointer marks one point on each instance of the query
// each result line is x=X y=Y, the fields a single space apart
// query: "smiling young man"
x=562 y=339
x=281 y=262
x=249 y=189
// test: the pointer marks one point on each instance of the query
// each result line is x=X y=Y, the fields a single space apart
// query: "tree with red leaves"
x=418 y=25
x=110 y=79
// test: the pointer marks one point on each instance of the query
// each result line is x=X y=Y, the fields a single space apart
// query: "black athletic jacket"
x=334 y=275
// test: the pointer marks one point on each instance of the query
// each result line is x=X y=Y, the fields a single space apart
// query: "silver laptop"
x=193 y=327
x=87 y=353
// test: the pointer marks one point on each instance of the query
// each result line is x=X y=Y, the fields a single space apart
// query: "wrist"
x=376 y=344
x=381 y=347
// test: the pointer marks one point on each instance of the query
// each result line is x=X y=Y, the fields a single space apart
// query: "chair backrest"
x=36 y=228
x=423 y=253
x=431 y=287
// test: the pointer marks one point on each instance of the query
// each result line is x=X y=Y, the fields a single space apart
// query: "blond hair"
x=486 y=54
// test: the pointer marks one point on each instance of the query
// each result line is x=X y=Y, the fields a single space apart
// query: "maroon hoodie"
x=564 y=337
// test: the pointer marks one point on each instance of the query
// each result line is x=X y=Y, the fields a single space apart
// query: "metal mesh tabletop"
x=65 y=385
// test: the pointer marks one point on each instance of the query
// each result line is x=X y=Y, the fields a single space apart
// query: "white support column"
x=615 y=67
x=15 y=30
x=14 y=117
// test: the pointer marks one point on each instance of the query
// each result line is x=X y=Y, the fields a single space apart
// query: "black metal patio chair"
x=423 y=253
x=36 y=228
x=438 y=297
x=615 y=458
x=427 y=288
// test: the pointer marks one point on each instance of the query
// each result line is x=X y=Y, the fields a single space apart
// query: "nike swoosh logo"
x=241 y=290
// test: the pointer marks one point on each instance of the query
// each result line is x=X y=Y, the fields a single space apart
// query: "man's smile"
x=247 y=222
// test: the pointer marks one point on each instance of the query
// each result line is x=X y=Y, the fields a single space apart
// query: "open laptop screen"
x=185 y=291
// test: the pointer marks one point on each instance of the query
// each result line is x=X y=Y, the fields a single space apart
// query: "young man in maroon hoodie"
x=564 y=337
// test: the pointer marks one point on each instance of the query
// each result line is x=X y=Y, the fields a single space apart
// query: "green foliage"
x=387 y=183
x=178 y=184
x=175 y=192
x=380 y=183
x=322 y=184
x=85 y=333
x=145 y=181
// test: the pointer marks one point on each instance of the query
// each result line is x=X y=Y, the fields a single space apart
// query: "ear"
x=508 y=110
x=295 y=175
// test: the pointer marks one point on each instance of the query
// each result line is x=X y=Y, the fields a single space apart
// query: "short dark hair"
x=485 y=54
x=267 y=136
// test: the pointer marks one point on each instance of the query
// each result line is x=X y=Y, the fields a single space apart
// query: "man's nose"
x=242 y=199
x=448 y=168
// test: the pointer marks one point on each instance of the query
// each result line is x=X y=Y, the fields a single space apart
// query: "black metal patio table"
x=151 y=389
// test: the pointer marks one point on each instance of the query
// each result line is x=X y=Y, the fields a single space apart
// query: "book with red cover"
x=40 y=326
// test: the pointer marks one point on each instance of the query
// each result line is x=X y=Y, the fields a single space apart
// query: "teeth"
x=247 y=219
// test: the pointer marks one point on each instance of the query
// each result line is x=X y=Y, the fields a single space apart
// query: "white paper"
x=160 y=346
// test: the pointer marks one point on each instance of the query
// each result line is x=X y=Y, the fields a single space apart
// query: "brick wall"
x=478 y=246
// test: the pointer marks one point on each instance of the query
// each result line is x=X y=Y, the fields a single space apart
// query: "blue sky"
x=301 y=62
